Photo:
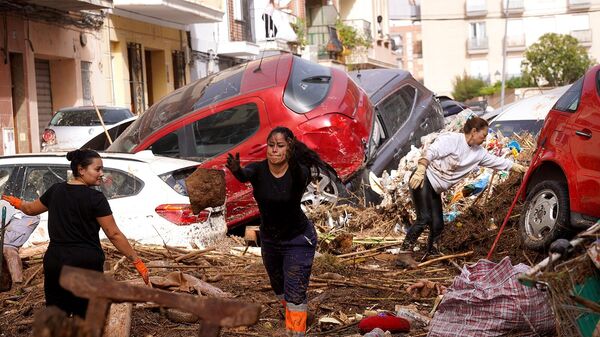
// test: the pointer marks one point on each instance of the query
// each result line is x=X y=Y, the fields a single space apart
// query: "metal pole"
x=2 y=230
x=502 y=87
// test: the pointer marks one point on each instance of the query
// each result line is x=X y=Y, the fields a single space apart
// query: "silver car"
x=70 y=128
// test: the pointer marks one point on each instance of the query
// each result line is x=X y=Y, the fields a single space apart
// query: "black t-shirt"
x=278 y=199
x=72 y=213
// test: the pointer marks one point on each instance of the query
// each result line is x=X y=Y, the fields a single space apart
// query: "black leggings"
x=428 y=206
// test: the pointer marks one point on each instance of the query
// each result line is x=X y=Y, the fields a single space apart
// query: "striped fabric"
x=295 y=319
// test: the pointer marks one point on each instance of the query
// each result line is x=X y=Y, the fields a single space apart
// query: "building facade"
x=466 y=36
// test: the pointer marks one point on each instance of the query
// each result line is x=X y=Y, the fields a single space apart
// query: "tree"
x=466 y=87
x=556 y=59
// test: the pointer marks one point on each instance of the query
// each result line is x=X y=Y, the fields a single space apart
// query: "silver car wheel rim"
x=542 y=214
x=320 y=191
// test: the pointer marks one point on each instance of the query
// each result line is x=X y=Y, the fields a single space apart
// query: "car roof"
x=158 y=164
x=91 y=107
x=375 y=81
x=531 y=108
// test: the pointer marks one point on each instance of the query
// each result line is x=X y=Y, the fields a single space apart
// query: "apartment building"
x=466 y=36
x=405 y=31
x=59 y=54
x=249 y=28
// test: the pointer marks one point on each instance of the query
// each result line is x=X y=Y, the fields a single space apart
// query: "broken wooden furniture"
x=101 y=290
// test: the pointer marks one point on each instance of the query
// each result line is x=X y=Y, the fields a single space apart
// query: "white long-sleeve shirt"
x=451 y=158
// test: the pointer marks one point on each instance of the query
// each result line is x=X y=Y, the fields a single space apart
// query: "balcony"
x=584 y=36
x=477 y=45
x=375 y=57
x=326 y=40
x=475 y=8
x=73 y=5
x=175 y=12
x=515 y=7
x=515 y=42
x=575 y=5
x=362 y=27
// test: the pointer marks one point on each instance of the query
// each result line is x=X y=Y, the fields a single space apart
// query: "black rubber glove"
x=233 y=163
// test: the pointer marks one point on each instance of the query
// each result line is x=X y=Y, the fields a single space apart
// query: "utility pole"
x=502 y=87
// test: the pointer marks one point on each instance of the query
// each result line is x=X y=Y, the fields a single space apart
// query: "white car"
x=146 y=193
x=528 y=114
x=70 y=128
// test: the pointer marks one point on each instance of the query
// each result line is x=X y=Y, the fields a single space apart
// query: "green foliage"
x=489 y=90
x=519 y=82
x=466 y=87
x=299 y=28
x=350 y=38
x=557 y=59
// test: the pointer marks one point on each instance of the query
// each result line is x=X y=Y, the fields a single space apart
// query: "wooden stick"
x=193 y=254
x=347 y=255
x=442 y=258
x=102 y=122
x=32 y=276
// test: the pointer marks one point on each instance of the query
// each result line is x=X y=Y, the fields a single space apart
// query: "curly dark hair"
x=300 y=153
x=81 y=157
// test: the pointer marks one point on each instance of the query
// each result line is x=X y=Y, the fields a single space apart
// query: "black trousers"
x=55 y=258
x=428 y=206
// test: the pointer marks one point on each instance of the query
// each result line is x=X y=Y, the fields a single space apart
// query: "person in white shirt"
x=445 y=162
x=19 y=227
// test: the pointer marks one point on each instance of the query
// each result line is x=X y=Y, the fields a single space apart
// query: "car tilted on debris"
x=563 y=181
x=235 y=109
x=146 y=193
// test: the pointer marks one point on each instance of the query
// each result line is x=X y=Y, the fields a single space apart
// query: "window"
x=238 y=13
x=569 y=101
x=38 y=180
x=118 y=184
x=477 y=30
x=89 y=117
x=212 y=135
x=396 y=108
x=479 y=69
x=308 y=86
x=5 y=183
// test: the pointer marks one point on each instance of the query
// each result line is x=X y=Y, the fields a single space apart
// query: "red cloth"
x=384 y=321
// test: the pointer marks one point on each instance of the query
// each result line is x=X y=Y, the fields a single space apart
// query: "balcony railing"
x=584 y=36
x=514 y=6
x=326 y=40
x=515 y=42
x=477 y=45
x=476 y=8
x=362 y=27
x=578 y=4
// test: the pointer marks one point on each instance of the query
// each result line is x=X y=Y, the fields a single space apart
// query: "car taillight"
x=49 y=137
x=180 y=214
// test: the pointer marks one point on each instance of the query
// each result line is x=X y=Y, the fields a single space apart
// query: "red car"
x=235 y=109
x=563 y=181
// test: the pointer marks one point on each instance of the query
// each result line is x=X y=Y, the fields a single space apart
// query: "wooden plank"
x=222 y=312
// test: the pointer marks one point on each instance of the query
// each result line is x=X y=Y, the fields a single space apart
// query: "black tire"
x=546 y=214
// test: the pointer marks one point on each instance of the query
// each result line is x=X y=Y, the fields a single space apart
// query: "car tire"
x=326 y=190
x=545 y=215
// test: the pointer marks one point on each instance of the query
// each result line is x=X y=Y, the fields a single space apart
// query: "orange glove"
x=16 y=202
x=141 y=268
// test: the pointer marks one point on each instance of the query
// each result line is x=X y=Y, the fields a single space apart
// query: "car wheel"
x=326 y=190
x=545 y=216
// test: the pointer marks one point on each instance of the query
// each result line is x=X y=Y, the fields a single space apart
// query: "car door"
x=240 y=127
x=583 y=132
x=393 y=112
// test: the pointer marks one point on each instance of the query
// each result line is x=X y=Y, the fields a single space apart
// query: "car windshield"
x=202 y=93
x=517 y=126
x=89 y=117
